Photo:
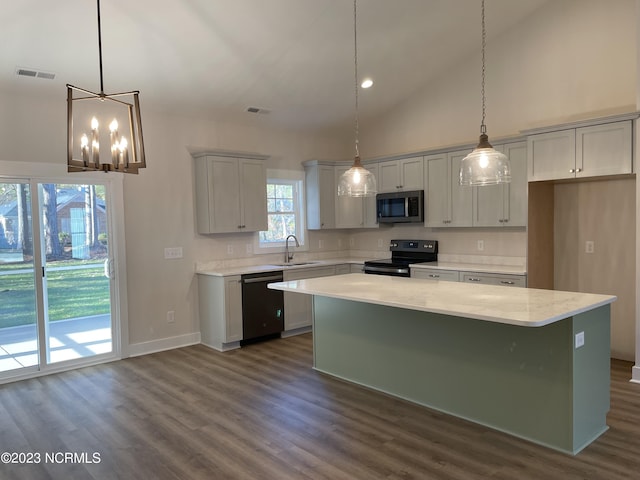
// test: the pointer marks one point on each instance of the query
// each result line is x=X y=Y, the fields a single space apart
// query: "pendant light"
x=485 y=165
x=357 y=181
x=88 y=115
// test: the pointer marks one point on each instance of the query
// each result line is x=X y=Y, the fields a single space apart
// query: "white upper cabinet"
x=404 y=174
x=231 y=194
x=552 y=155
x=321 y=193
x=349 y=210
x=447 y=204
x=437 y=209
x=604 y=149
x=504 y=205
x=589 y=151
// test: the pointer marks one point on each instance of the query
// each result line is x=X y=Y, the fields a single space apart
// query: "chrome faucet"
x=287 y=256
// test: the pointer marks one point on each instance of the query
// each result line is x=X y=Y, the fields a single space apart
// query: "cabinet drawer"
x=504 y=280
x=435 y=274
x=299 y=274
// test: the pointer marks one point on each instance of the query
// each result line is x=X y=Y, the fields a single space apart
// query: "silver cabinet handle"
x=578 y=170
x=474 y=279
x=572 y=170
x=432 y=275
x=507 y=282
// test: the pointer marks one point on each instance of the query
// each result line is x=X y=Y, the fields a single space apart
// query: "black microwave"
x=400 y=207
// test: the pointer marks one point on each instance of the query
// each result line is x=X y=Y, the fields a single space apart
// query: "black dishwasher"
x=262 y=308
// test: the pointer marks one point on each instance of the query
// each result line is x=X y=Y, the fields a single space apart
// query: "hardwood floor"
x=262 y=413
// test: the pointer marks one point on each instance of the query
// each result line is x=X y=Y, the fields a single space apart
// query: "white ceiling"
x=215 y=58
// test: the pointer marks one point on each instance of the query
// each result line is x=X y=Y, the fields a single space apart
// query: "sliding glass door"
x=56 y=275
x=18 y=313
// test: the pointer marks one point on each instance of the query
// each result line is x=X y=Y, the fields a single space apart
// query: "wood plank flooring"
x=262 y=413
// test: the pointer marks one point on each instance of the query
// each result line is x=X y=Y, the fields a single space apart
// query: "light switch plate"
x=579 y=339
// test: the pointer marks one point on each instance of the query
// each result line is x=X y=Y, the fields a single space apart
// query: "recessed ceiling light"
x=366 y=83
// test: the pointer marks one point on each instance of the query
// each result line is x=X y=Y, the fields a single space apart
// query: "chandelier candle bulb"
x=124 y=154
x=113 y=128
x=95 y=143
x=84 y=147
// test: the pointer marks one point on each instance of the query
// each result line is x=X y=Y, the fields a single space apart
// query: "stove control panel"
x=426 y=246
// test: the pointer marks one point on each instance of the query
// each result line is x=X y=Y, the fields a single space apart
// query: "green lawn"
x=71 y=293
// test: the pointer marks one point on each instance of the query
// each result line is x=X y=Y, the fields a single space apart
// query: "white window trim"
x=294 y=175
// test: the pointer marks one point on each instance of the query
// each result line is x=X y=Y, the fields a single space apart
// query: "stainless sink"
x=291 y=264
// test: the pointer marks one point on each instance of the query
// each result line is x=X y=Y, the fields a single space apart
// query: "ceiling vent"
x=33 y=73
x=258 y=110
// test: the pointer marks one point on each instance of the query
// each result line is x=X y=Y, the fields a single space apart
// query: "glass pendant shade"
x=485 y=166
x=357 y=182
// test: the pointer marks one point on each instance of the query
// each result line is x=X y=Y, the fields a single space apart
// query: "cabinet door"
x=253 y=186
x=328 y=194
x=349 y=210
x=552 y=155
x=604 y=149
x=504 y=205
x=224 y=194
x=389 y=176
x=515 y=193
x=437 y=205
x=369 y=203
x=298 y=307
x=412 y=173
x=233 y=309
x=461 y=197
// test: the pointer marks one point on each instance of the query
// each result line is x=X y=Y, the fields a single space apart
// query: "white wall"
x=572 y=59
x=159 y=202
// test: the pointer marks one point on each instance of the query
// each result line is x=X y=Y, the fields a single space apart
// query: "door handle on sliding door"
x=108 y=268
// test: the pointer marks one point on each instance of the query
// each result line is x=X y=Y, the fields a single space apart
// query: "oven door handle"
x=386 y=269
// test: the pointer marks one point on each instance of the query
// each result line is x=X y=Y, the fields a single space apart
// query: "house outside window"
x=285 y=211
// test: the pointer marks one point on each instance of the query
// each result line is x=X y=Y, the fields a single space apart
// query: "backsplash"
x=500 y=247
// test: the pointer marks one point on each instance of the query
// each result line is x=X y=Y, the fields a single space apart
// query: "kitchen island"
x=532 y=363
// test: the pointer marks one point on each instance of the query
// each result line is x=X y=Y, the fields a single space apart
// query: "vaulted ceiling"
x=215 y=58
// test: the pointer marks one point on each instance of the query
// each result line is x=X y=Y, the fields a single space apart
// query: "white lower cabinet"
x=506 y=280
x=343 y=269
x=298 y=307
x=435 y=274
x=490 y=279
x=220 y=303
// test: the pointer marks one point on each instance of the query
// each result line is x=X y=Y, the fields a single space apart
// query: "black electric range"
x=403 y=254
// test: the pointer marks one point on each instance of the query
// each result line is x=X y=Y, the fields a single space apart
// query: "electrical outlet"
x=172 y=252
x=480 y=245
x=229 y=249
x=352 y=242
x=589 y=246
x=249 y=248
x=320 y=243
x=171 y=316
x=380 y=244
x=339 y=243
x=579 y=339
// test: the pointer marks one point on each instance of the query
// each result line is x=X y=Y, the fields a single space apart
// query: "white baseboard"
x=295 y=331
x=635 y=374
x=144 y=348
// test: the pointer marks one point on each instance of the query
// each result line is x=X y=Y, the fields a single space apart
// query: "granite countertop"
x=274 y=267
x=474 y=267
x=515 y=306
